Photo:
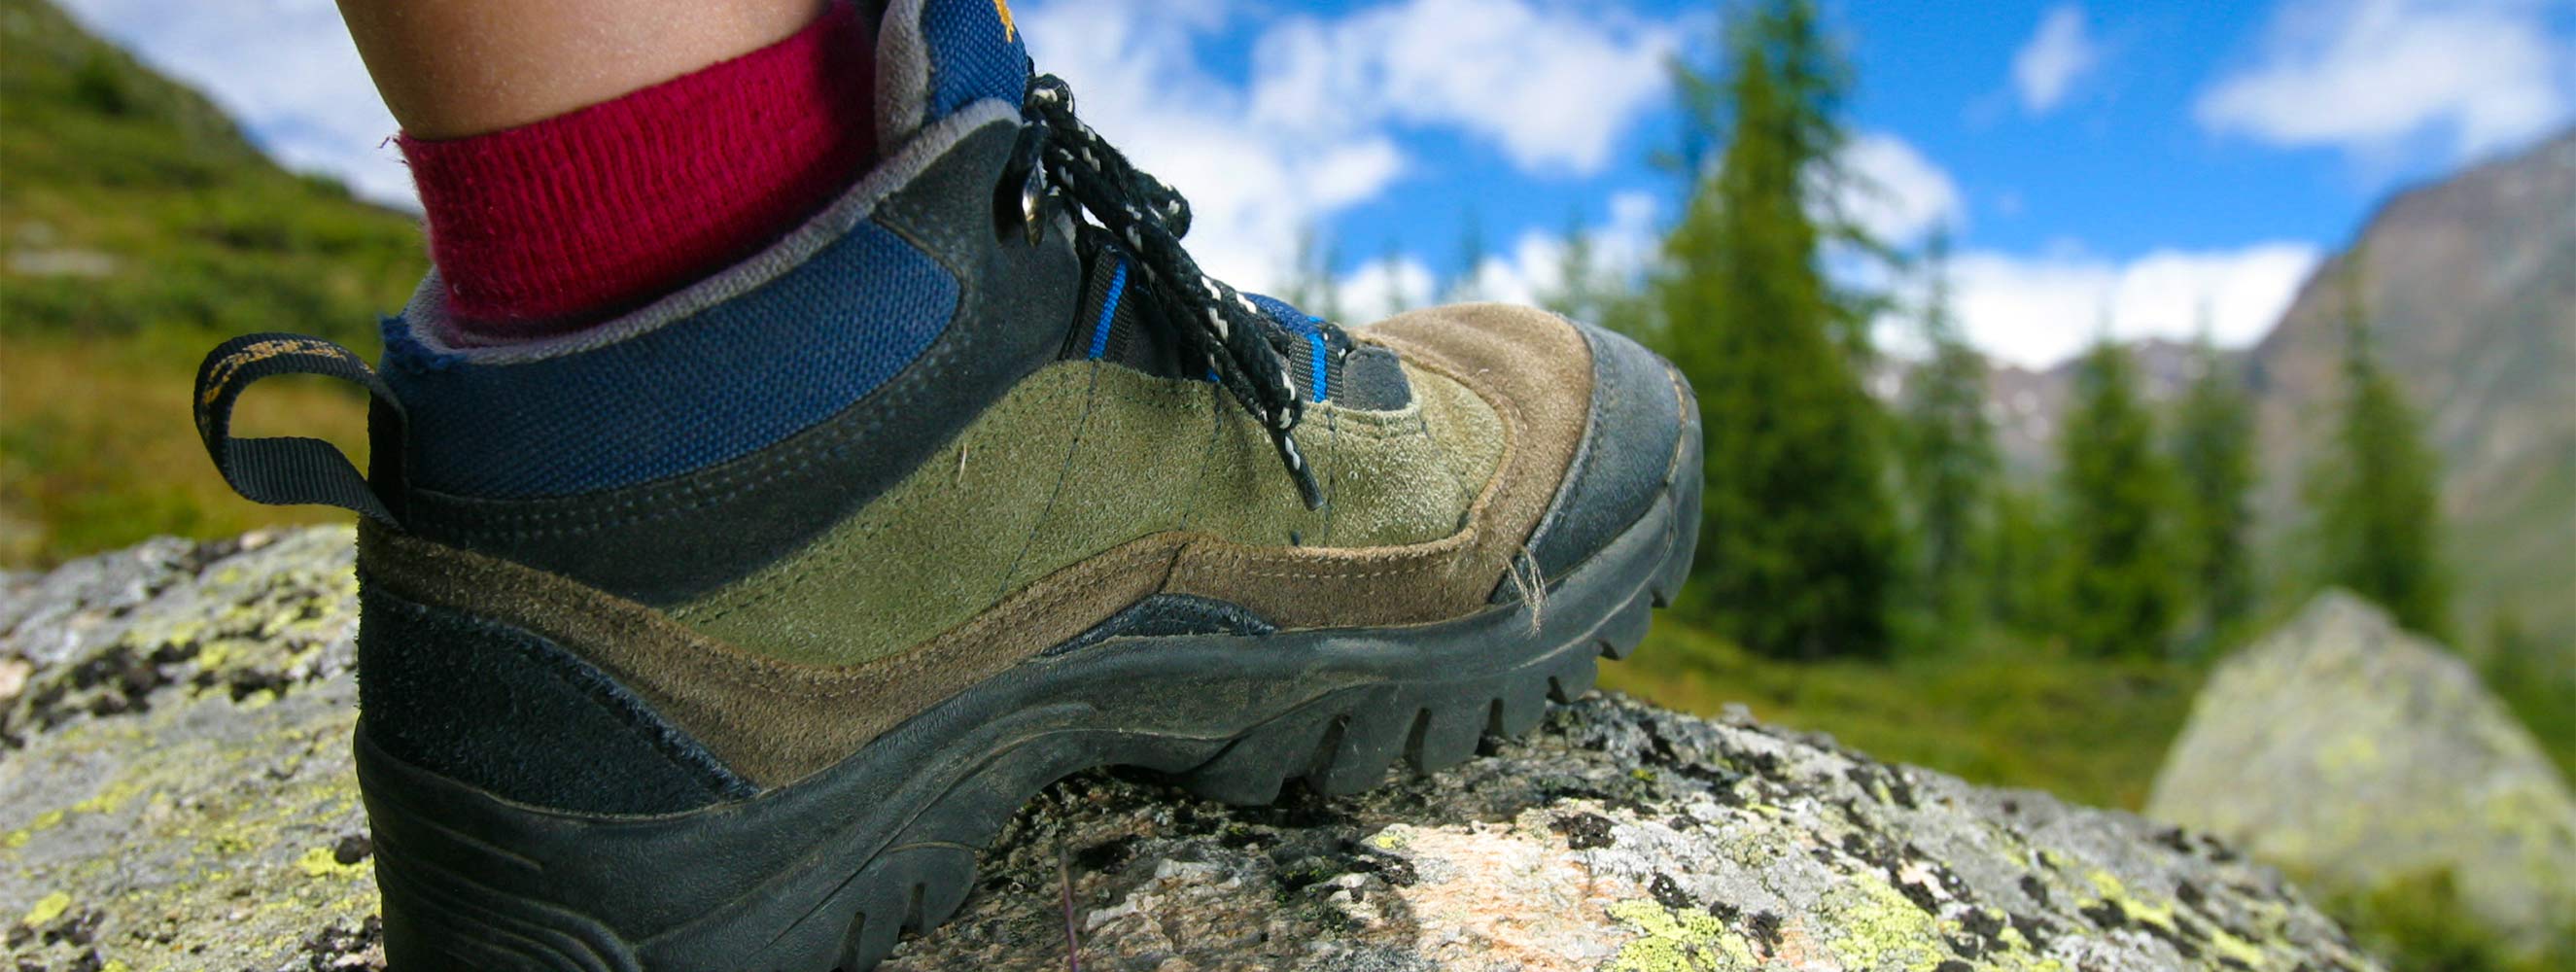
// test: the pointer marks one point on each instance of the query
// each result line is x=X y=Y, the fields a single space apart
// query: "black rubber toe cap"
x=1626 y=459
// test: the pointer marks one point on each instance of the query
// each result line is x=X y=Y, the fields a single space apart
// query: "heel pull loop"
x=290 y=471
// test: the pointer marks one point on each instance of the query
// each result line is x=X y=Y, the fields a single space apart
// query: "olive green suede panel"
x=770 y=721
x=1084 y=457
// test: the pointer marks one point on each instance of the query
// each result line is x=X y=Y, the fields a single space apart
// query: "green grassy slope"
x=137 y=227
x=1993 y=709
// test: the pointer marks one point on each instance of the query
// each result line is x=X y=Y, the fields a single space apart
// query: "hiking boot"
x=720 y=635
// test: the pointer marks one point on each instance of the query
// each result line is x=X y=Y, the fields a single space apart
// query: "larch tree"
x=2116 y=501
x=2377 y=495
x=1951 y=463
x=1798 y=535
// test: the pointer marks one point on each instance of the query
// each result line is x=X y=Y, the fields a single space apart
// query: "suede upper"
x=900 y=629
x=1020 y=461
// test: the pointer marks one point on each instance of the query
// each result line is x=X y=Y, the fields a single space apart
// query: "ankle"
x=543 y=229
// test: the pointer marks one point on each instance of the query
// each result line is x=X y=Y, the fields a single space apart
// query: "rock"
x=2356 y=755
x=177 y=795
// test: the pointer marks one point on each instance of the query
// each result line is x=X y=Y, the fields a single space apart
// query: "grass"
x=1996 y=710
x=2420 y=924
x=97 y=450
x=138 y=228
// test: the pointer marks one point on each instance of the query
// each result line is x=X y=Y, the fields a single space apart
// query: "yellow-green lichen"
x=1878 y=927
x=1673 y=940
x=47 y=909
x=2161 y=914
x=320 y=862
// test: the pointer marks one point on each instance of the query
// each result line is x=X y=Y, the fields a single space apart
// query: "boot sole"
x=828 y=873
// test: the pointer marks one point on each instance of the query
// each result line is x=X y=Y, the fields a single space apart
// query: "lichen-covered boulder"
x=176 y=794
x=2356 y=755
x=176 y=789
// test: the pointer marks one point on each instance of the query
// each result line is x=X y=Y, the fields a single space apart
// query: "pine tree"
x=2022 y=562
x=1950 y=459
x=2376 y=496
x=1588 y=291
x=1798 y=534
x=2116 y=499
x=2214 y=451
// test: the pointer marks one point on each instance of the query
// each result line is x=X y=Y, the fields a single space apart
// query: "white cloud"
x=1554 y=86
x=1535 y=266
x=1252 y=187
x=1312 y=132
x=2367 y=75
x=285 y=69
x=2037 y=311
x=1384 y=285
x=1894 y=192
x=2055 y=57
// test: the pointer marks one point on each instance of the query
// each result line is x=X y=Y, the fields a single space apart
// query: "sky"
x=2135 y=167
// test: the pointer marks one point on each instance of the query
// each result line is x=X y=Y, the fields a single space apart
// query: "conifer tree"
x=2376 y=495
x=1588 y=291
x=1950 y=458
x=2116 y=498
x=2023 y=562
x=1798 y=532
x=2214 y=451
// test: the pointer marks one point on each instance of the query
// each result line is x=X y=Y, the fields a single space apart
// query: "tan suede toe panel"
x=1535 y=370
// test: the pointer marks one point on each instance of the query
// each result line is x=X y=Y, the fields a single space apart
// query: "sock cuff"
x=540 y=229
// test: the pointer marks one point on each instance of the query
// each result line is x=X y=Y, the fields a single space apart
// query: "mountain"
x=2469 y=288
x=2025 y=402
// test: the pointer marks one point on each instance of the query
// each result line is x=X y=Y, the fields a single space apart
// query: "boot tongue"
x=935 y=57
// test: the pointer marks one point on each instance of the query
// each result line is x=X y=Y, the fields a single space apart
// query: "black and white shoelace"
x=1061 y=159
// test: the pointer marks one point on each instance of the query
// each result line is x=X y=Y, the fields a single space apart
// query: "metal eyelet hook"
x=1027 y=172
x=1033 y=196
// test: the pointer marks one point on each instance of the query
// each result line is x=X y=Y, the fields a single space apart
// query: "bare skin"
x=453 y=68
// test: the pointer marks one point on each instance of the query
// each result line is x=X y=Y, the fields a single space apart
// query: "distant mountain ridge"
x=2469 y=286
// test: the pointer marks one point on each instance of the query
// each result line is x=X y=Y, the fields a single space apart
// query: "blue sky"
x=2131 y=161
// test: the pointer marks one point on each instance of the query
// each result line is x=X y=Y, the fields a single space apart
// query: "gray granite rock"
x=2357 y=755
x=176 y=795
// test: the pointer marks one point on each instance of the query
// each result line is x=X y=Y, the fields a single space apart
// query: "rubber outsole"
x=829 y=873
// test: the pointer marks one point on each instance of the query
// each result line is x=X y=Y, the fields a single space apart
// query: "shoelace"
x=1060 y=158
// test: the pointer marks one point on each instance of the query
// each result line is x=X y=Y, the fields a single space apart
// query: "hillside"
x=2469 y=285
x=137 y=225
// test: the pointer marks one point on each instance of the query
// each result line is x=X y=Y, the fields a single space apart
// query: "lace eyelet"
x=1019 y=198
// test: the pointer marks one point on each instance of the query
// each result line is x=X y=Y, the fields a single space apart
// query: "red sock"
x=543 y=229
